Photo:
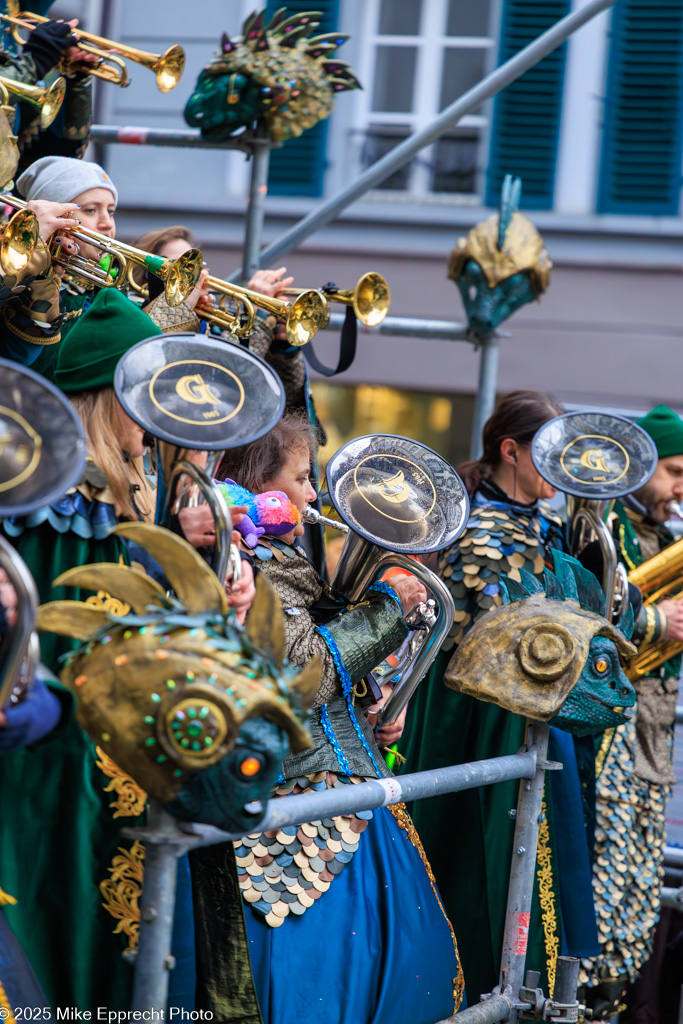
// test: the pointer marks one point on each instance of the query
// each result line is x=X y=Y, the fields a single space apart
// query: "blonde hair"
x=100 y=414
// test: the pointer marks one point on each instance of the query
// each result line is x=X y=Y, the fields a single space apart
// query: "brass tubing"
x=370 y=298
x=303 y=318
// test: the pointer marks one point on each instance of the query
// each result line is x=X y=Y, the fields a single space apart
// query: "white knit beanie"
x=60 y=179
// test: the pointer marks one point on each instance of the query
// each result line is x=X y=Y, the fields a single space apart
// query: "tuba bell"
x=197 y=397
x=595 y=458
x=397 y=498
x=42 y=454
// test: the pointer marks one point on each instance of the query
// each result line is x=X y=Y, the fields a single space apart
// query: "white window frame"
x=430 y=44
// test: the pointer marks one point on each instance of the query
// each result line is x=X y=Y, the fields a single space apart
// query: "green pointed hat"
x=665 y=428
x=88 y=355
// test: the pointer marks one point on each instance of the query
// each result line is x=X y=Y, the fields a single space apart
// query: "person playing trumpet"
x=47 y=46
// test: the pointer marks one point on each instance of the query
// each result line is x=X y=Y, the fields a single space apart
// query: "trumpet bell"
x=183 y=276
x=51 y=104
x=371 y=299
x=306 y=316
x=17 y=241
x=169 y=68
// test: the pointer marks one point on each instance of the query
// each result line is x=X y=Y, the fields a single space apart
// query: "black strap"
x=347 y=348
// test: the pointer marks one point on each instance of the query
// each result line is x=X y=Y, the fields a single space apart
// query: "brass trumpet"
x=179 y=276
x=226 y=319
x=370 y=298
x=303 y=318
x=168 y=67
x=48 y=99
x=19 y=236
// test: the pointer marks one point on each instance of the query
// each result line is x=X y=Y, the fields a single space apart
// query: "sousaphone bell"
x=197 y=397
x=595 y=458
x=398 y=498
x=42 y=454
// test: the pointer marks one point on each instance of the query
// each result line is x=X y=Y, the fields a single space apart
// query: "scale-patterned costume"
x=444 y=728
x=342 y=892
x=634 y=766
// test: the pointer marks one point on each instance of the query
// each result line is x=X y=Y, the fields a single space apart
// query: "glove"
x=47 y=43
x=30 y=720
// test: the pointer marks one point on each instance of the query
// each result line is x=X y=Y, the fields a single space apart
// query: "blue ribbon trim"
x=384 y=588
x=347 y=690
x=329 y=732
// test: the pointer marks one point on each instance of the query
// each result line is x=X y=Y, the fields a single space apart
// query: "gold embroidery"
x=106 y=603
x=405 y=822
x=7 y=1014
x=622 y=542
x=121 y=893
x=130 y=798
x=651 y=618
x=545 y=884
x=602 y=753
x=6 y=899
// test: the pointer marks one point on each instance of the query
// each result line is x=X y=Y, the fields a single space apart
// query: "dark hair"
x=517 y=416
x=153 y=241
x=260 y=461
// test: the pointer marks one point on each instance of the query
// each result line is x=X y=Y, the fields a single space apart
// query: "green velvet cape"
x=59 y=834
x=468 y=836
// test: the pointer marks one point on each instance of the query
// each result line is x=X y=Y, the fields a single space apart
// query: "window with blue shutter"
x=298 y=167
x=640 y=170
x=526 y=115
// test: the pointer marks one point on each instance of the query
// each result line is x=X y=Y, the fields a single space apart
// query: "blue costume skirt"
x=19 y=987
x=376 y=948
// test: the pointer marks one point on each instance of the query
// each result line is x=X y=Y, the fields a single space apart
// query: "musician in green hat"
x=635 y=762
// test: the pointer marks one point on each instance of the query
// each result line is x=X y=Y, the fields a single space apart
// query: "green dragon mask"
x=197 y=710
x=548 y=652
x=275 y=74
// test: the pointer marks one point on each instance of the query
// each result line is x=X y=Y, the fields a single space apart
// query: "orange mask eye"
x=601 y=665
x=250 y=766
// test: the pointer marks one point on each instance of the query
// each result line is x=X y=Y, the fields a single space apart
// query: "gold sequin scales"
x=284 y=872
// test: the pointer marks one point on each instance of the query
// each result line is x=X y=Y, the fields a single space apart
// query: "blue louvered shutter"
x=640 y=170
x=526 y=115
x=298 y=167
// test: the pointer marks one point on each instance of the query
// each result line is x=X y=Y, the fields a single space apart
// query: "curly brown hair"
x=256 y=463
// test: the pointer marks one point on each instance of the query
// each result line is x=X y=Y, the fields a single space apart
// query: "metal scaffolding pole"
x=166 y=839
x=486 y=393
x=258 y=189
x=528 y=820
x=366 y=796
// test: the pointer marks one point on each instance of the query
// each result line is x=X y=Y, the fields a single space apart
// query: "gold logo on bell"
x=593 y=458
x=395 y=489
x=193 y=388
